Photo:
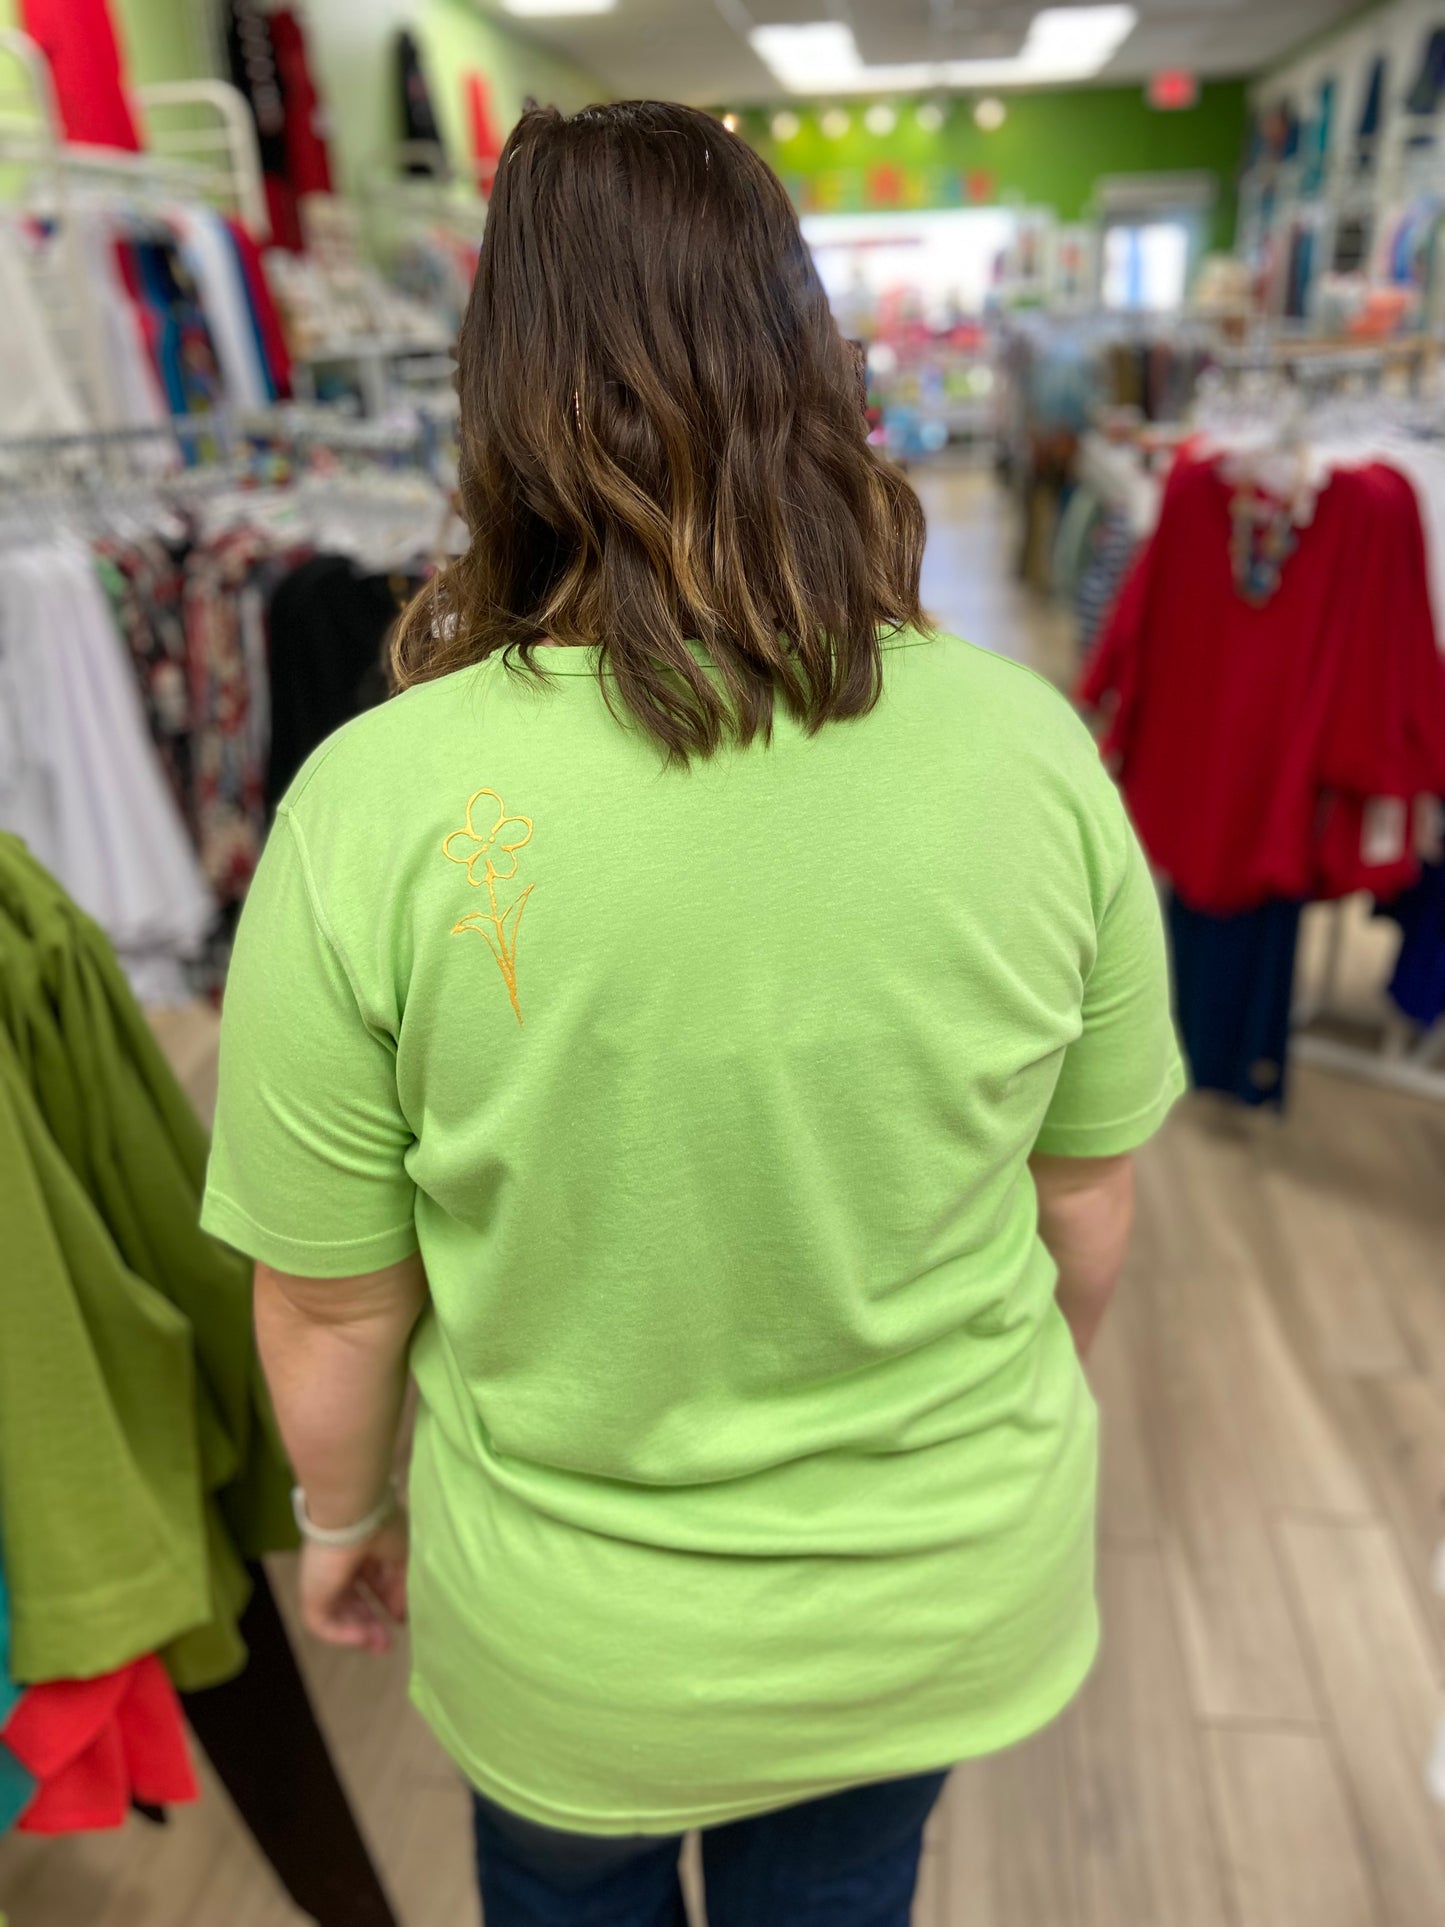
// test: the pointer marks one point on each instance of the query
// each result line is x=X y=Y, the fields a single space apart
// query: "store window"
x=1146 y=265
x=935 y=266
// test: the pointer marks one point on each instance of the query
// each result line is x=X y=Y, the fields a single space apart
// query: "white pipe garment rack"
x=194 y=455
x=1401 y=1059
x=287 y=428
x=204 y=148
x=381 y=493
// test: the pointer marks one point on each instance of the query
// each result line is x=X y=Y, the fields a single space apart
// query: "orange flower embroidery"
x=489 y=856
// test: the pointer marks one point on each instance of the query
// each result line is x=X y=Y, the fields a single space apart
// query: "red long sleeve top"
x=1249 y=739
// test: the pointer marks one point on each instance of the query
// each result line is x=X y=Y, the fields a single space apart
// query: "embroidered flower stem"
x=494 y=852
x=494 y=928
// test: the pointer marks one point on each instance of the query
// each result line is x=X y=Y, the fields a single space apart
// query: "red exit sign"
x=1172 y=90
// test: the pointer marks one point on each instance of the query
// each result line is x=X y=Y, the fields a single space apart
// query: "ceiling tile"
x=697 y=49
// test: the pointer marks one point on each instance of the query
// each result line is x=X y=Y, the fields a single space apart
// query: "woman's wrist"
x=342 y=1534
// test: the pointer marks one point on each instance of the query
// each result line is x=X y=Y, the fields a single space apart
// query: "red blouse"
x=1249 y=739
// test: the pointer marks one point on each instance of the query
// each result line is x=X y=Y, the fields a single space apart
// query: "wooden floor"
x=1250 y=1750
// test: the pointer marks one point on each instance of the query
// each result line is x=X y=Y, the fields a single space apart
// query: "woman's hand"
x=353 y=1596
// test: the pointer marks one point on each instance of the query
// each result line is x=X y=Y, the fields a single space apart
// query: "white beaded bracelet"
x=338 y=1538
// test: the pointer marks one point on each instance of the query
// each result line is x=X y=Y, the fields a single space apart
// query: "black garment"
x=251 y=57
x=1372 y=113
x=252 y=60
x=1233 y=987
x=1352 y=243
x=260 y=1734
x=418 y=116
x=328 y=627
x=1429 y=83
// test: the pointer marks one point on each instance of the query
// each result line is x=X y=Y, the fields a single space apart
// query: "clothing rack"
x=1316 y=370
x=1316 y=363
x=295 y=432
x=205 y=148
x=1397 y=1062
x=202 y=135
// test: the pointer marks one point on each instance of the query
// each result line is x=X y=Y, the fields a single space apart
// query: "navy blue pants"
x=850 y=1860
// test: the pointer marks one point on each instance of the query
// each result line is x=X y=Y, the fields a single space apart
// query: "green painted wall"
x=352 y=43
x=1049 y=152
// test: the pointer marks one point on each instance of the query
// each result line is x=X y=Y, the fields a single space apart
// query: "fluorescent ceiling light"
x=1063 y=44
x=1077 y=37
x=814 y=59
x=540 y=9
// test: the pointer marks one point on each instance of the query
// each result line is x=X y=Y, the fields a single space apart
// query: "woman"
x=699 y=1027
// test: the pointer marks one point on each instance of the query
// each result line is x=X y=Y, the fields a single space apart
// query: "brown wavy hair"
x=663 y=451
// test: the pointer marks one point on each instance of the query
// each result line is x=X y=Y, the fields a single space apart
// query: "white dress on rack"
x=37 y=393
x=135 y=398
x=80 y=780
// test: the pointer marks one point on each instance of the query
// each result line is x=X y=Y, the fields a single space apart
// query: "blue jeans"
x=850 y=1860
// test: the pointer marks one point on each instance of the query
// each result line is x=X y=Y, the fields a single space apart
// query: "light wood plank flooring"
x=1250 y=1750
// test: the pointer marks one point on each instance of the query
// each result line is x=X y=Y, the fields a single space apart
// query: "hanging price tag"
x=1382 y=839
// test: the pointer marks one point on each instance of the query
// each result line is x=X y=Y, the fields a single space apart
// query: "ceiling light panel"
x=555 y=9
x=1062 y=44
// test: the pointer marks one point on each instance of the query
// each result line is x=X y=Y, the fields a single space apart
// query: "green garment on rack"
x=139 y=1459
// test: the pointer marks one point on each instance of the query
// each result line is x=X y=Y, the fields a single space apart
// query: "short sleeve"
x=308 y=1162
x=1122 y=1074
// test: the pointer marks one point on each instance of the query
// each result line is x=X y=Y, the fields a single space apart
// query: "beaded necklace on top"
x=1263 y=535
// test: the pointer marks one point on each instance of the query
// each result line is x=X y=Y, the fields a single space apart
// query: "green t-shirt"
x=754 y=1458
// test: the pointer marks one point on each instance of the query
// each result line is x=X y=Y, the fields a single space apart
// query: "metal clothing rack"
x=390 y=487
x=1318 y=364
x=1401 y=1061
x=204 y=148
x=84 y=456
x=91 y=459
x=201 y=132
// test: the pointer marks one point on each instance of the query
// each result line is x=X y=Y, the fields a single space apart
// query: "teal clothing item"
x=17 y=1790
x=754 y=1457
x=17 y=1786
x=9 y=1691
x=139 y=1461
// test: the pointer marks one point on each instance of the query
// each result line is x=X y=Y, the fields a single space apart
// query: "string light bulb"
x=880 y=119
x=836 y=122
x=989 y=114
x=786 y=125
x=930 y=117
